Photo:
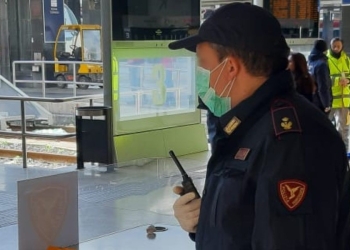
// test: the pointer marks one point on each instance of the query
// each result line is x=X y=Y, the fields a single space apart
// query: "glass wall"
x=153 y=86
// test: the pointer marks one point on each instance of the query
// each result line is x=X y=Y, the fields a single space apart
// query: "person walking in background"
x=304 y=83
x=338 y=63
x=318 y=68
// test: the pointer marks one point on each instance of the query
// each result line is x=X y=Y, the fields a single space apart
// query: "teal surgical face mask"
x=217 y=104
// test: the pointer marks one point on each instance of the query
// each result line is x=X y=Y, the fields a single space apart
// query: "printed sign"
x=48 y=211
x=53 y=19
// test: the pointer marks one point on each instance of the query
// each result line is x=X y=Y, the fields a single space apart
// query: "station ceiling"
x=212 y=3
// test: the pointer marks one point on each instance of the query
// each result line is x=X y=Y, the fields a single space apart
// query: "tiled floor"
x=114 y=207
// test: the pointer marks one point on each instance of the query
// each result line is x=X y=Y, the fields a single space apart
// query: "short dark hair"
x=320 y=45
x=337 y=39
x=257 y=64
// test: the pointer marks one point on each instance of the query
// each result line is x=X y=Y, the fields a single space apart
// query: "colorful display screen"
x=298 y=18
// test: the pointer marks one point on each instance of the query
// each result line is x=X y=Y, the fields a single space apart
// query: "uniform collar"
x=276 y=85
x=342 y=55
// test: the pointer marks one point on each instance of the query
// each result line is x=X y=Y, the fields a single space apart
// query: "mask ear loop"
x=229 y=84
x=217 y=79
x=224 y=61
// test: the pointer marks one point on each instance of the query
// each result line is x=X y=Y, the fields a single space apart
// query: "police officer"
x=274 y=178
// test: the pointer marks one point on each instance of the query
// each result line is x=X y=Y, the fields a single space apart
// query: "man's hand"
x=328 y=109
x=344 y=82
x=186 y=210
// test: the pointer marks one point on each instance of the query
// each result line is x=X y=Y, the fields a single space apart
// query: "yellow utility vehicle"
x=81 y=44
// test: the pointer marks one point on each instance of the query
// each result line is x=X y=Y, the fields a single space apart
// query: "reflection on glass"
x=150 y=87
x=67 y=40
x=92 y=45
x=81 y=46
x=69 y=47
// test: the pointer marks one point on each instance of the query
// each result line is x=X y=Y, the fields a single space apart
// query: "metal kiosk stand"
x=94 y=135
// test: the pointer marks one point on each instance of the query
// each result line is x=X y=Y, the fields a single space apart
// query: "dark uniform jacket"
x=211 y=122
x=274 y=180
x=318 y=68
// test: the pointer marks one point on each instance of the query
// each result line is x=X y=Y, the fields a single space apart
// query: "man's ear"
x=234 y=66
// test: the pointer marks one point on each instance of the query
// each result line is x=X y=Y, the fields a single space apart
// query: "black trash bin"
x=94 y=135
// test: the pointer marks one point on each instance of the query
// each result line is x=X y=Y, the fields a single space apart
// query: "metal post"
x=138 y=102
x=74 y=79
x=43 y=83
x=14 y=73
x=80 y=158
x=178 y=90
x=178 y=99
x=91 y=104
x=106 y=13
x=142 y=74
x=24 y=139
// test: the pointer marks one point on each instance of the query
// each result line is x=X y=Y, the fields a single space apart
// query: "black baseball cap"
x=242 y=26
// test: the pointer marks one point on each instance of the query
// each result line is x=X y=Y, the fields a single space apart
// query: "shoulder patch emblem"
x=286 y=123
x=292 y=193
x=285 y=119
x=242 y=154
x=232 y=125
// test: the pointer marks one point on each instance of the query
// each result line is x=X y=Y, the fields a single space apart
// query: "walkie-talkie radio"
x=187 y=182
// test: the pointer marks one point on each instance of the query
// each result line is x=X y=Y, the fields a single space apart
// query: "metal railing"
x=39 y=66
x=40 y=108
x=24 y=134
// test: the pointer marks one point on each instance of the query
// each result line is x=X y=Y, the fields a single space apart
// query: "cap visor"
x=188 y=43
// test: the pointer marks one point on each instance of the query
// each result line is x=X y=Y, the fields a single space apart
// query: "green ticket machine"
x=153 y=88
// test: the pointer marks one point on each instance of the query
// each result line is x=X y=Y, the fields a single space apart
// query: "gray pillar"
x=37 y=28
x=13 y=36
x=259 y=3
x=345 y=27
x=5 y=65
x=106 y=21
x=25 y=30
x=327 y=30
